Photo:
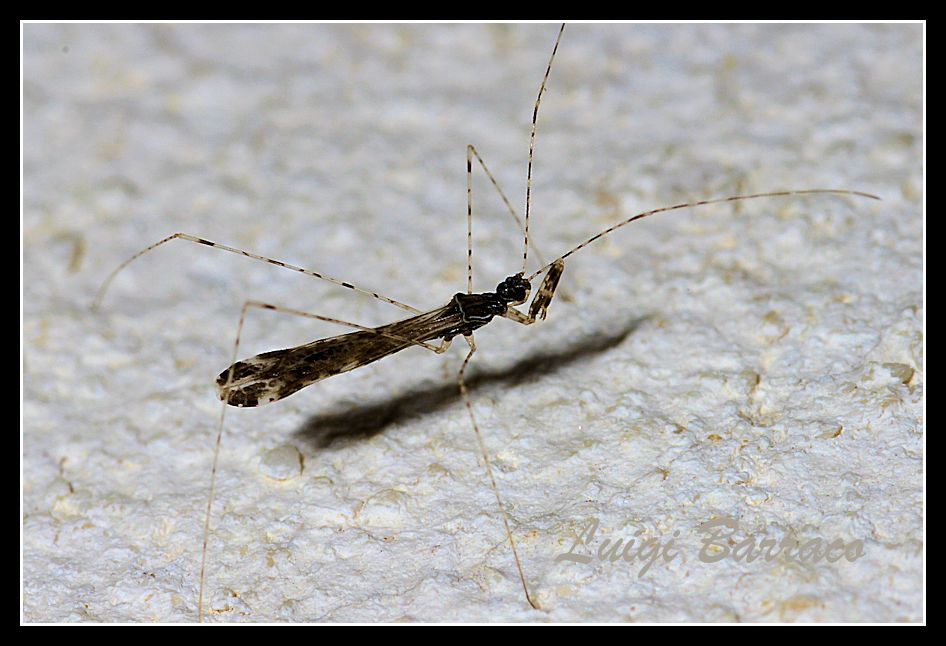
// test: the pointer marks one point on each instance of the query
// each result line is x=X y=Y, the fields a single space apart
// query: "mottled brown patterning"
x=271 y=376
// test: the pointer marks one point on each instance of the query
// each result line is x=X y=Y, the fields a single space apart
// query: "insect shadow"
x=322 y=430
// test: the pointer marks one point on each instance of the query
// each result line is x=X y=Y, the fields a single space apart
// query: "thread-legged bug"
x=274 y=375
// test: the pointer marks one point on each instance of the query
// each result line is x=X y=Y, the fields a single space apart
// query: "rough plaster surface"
x=761 y=361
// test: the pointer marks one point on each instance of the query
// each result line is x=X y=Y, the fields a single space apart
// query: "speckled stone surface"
x=761 y=361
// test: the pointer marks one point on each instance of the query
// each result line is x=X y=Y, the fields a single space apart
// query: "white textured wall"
x=761 y=361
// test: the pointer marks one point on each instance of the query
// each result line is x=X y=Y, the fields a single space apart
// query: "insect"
x=272 y=376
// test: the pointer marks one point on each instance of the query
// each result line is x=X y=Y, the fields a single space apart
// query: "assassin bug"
x=272 y=376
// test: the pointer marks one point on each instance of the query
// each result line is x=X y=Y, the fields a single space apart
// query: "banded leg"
x=489 y=470
x=470 y=153
x=278 y=263
x=540 y=304
x=223 y=410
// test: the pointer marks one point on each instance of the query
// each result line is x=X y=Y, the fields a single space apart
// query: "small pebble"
x=282 y=463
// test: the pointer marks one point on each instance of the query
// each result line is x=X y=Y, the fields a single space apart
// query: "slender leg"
x=223 y=410
x=438 y=349
x=489 y=469
x=278 y=263
x=469 y=221
x=471 y=151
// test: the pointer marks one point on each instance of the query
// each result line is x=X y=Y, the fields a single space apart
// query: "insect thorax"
x=475 y=311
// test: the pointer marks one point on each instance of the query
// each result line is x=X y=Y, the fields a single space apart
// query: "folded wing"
x=271 y=376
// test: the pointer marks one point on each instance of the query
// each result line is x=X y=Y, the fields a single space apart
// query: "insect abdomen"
x=272 y=376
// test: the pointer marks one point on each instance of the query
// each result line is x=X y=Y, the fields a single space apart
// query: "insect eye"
x=514 y=289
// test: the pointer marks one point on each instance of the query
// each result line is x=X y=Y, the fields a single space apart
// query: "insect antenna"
x=535 y=115
x=675 y=207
